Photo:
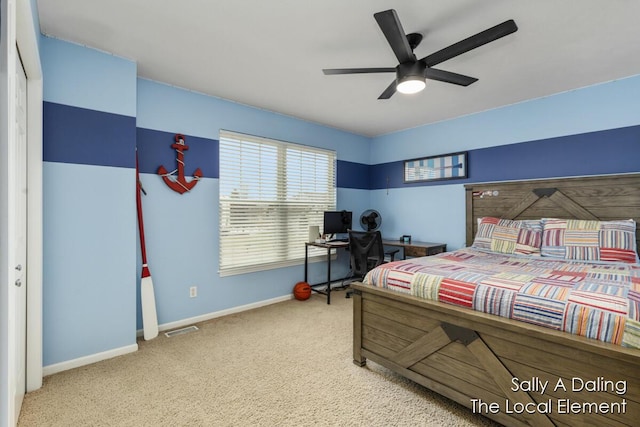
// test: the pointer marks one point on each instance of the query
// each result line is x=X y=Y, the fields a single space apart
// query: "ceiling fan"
x=411 y=72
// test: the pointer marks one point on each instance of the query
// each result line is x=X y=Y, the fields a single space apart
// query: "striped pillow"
x=588 y=240
x=509 y=237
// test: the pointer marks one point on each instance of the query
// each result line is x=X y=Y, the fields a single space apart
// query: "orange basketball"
x=302 y=291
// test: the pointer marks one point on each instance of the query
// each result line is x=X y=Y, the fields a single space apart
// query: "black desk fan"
x=370 y=220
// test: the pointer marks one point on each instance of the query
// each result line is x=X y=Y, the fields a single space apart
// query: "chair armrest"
x=392 y=253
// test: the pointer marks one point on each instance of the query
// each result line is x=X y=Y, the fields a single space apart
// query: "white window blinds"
x=270 y=193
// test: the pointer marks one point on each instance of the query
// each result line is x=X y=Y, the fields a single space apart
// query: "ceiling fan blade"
x=449 y=77
x=331 y=71
x=392 y=30
x=482 y=38
x=389 y=91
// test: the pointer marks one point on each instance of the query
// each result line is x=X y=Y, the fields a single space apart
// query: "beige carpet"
x=288 y=364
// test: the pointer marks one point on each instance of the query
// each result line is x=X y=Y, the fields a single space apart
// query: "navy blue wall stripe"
x=154 y=150
x=594 y=153
x=353 y=175
x=82 y=136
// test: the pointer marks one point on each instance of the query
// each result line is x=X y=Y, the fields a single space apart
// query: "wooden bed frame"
x=473 y=358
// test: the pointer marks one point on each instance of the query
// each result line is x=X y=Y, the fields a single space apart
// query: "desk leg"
x=306 y=261
x=328 y=275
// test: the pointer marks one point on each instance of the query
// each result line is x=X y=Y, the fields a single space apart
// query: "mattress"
x=597 y=300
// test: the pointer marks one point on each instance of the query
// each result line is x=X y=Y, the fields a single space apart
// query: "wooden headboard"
x=606 y=197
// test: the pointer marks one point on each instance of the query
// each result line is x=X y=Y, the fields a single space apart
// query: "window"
x=270 y=193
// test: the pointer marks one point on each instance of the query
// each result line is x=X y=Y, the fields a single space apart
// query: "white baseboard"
x=213 y=315
x=87 y=360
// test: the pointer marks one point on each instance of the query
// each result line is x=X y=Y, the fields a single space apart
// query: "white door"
x=18 y=290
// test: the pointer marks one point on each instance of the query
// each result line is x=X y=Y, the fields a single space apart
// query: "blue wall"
x=97 y=112
x=182 y=230
x=608 y=105
x=594 y=130
x=89 y=267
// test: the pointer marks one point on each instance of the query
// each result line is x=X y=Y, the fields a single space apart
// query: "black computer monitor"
x=337 y=222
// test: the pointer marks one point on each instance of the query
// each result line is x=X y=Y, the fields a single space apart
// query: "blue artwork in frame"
x=435 y=168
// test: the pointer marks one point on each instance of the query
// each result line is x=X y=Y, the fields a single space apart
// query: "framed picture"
x=435 y=168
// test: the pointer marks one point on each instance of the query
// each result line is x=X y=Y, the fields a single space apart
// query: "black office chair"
x=367 y=252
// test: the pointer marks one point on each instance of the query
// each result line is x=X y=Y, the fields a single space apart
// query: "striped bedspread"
x=595 y=300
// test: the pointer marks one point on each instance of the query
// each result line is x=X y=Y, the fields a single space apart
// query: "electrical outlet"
x=193 y=292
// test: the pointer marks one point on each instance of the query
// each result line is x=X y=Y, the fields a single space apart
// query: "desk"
x=412 y=249
x=416 y=249
x=328 y=246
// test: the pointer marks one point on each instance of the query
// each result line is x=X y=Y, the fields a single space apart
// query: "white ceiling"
x=270 y=54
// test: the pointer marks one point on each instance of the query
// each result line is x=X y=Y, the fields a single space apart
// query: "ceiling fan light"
x=411 y=85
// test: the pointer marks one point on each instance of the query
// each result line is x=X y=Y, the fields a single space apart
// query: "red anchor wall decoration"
x=179 y=183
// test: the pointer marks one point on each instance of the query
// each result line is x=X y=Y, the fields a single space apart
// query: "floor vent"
x=181 y=331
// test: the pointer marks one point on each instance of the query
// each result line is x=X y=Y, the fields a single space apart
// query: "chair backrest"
x=366 y=251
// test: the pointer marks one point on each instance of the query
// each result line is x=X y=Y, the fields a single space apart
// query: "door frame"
x=27 y=41
x=18 y=31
